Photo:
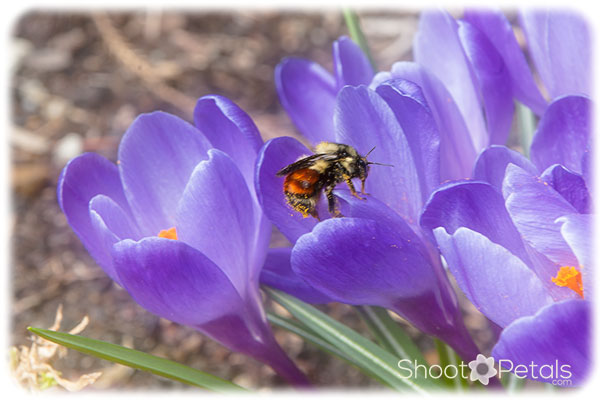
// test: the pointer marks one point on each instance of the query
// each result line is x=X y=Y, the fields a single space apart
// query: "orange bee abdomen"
x=301 y=182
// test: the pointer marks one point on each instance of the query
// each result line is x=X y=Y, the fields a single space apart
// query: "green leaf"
x=362 y=351
x=138 y=359
x=355 y=31
x=390 y=334
x=512 y=383
x=307 y=334
x=526 y=126
x=447 y=356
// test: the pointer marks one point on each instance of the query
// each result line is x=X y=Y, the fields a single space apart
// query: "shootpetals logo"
x=482 y=369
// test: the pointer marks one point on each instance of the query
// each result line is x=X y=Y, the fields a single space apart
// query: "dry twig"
x=123 y=52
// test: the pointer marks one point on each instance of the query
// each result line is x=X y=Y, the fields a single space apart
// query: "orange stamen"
x=571 y=278
x=169 y=233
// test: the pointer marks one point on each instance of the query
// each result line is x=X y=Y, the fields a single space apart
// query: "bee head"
x=364 y=163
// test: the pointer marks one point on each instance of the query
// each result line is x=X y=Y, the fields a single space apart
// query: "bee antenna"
x=386 y=165
x=369 y=152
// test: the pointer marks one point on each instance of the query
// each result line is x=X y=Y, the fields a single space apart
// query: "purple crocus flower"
x=517 y=240
x=467 y=84
x=559 y=43
x=551 y=35
x=308 y=92
x=377 y=254
x=473 y=71
x=472 y=68
x=177 y=224
x=458 y=69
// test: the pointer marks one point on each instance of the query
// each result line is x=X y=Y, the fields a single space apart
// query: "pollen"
x=571 y=278
x=168 y=233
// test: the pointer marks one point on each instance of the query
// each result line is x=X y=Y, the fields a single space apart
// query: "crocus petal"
x=534 y=207
x=249 y=334
x=363 y=261
x=437 y=39
x=230 y=130
x=378 y=260
x=83 y=178
x=586 y=168
x=563 y=134
x=492 y=81
x=114 y=217
x=569 y=185
x=565 y=68
x=276 y=154
x=576 y=229
x=359 y=261
x=558 y=336
x=492 y=162
x=156 y=157
x=477 y=206
x=215 y=217
x=351 y=66
x=419 y=126
x=308 y=93
x=364 y=120
x=546 y=269
x=495 y=25
x=491 y=166
x=497 y=282
x=277 y=273
x=380 y=78
x=376 y=210
x=112 y=224
x=457 y=150
x=173 y=280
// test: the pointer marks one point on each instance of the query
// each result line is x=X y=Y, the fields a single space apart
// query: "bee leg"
x=332 y=206
x=364 y=187
x=352 y=189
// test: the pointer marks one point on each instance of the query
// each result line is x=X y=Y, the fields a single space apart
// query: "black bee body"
x=331 y=164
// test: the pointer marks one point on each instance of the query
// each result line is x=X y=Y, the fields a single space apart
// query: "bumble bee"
x=331 y=164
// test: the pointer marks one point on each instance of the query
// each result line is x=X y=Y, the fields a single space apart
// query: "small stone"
x=68 y=41
x=29 y=141
x=29 y=179
x=33 y=94
x=56 y=108
x=47 y=60
x=20 y=49
x=68 y=147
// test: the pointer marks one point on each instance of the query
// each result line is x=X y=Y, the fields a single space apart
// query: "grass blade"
x=308 y=335
x=390 y=334
x=362 y=351
x=357 y=35
x=447 y=356
x=138 y=359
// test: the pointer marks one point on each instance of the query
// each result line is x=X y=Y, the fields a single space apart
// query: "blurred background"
x=78 y=81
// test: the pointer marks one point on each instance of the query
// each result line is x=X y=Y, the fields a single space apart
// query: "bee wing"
x=305 y=163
